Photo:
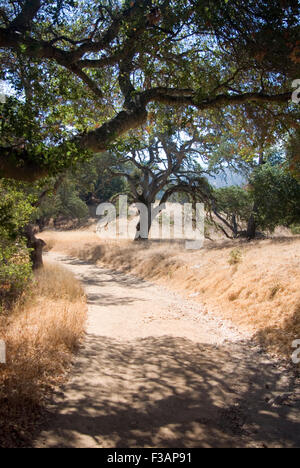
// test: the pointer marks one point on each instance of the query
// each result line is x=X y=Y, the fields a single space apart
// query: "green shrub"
x=235 y=257
x=15 y=266
x=295 y=228
x=15 y=270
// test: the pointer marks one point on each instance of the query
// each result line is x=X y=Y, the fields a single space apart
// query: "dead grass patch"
x=278 y=339
x=41 y=333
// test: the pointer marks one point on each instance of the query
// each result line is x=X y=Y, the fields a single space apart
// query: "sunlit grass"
x=41 y=333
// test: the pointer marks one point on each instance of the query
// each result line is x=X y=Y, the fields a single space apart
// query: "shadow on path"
x=171 y=392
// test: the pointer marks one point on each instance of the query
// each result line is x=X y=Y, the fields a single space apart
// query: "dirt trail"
x=156 y=371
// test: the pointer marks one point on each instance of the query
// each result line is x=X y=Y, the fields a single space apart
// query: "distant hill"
x=226 y=179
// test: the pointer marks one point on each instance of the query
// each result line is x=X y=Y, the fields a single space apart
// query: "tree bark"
x=251 y=228
x=36 y=246
x=252 y=224
x=234 y=225
x=138 y=236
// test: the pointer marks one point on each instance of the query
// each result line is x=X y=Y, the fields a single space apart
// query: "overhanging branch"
x=87 y=80
x=99 y=140
x=187 y=97
x=14 y=166
x=23 y=20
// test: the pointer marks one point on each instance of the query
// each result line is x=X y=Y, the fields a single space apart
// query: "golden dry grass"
x=260 y=291
x=41 y=333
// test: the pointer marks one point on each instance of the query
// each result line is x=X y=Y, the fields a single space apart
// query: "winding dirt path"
x=156 y=371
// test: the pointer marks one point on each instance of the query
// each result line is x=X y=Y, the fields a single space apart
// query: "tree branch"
x=187 y=97
x=33 y=48
x=87 y=80
x=13 y=165
x=48 y=191
x=22 y=21
x=99 y=140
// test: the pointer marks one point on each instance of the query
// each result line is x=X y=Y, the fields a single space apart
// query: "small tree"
x=60 y=200
x=276 y=195
x=233 y=207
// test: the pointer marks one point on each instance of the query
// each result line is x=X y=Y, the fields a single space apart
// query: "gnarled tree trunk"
x=36 y=245
x=139 y=236
x=251 y=228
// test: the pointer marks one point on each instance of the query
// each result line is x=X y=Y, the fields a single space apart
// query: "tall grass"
x=41 y=333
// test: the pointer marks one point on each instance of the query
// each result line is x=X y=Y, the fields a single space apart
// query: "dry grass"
x=256 y=285
x=40 y=333
x=66 y=240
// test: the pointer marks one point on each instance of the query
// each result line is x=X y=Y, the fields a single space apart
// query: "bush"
x=295 y=228
x=235 y=257
x=276 y=196
x=15 y=270
x=15 y=266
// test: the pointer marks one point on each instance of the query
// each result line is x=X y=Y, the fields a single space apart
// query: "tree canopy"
x=86 y=72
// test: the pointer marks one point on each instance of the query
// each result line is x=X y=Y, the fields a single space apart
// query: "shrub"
x=276 y=196
x=15 y=266
x=295 y=228
x=15 y=270
x=235 y=257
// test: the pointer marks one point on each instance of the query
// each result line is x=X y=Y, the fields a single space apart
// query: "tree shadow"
x=232 y=243
x=171 y=392
x=283 y=239
x=96 y=276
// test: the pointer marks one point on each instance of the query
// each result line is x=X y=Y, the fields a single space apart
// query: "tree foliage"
x=293 y=154
x=273 y=192
x=15 y=267
x=64 y=203
x=72 y=195
x=87 y=72
x=277 y=195
x=236 y=204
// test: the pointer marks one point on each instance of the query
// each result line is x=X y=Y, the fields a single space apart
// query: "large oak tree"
x=157 y=166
